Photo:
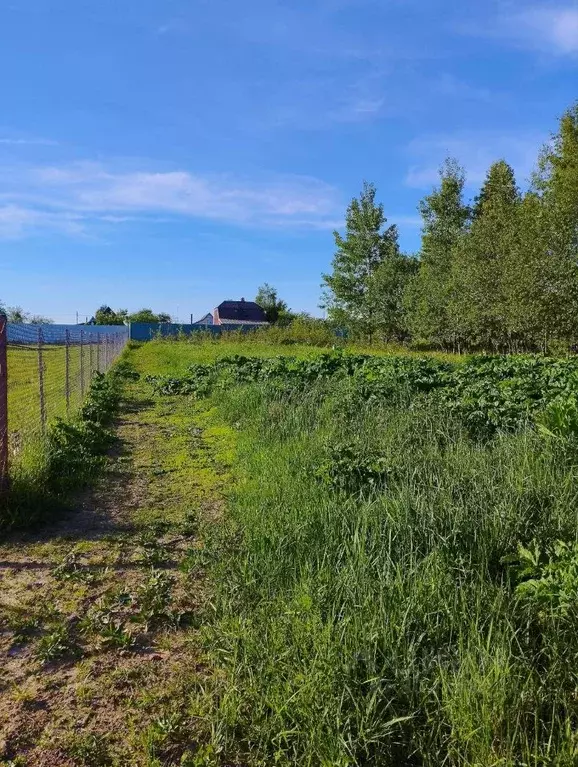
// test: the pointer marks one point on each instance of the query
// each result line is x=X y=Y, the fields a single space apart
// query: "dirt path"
x=100 y=612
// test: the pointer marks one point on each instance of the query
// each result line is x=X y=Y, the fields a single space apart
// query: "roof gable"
x=240 y=311
x=206 y=319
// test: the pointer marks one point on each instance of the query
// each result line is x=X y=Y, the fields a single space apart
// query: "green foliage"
x=548 y=581
x=349 y=467
x=17 y=315
x=154 y=598
x=481 y=259
x=147 y=315
x=56 y=645
x=88 y=750
x=500 y=274
x=445 y=216
x=104 y=315
x=367 y=245
x=487 y=393
x=73 y=453
x=368 y=611
x=274 y=307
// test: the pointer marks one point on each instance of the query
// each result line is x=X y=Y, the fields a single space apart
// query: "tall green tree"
x=274 y=307
x=481 y=259
x=528 y=278
x=556 y=184
x=367 y=244
x=386 y=292
x=445 y=216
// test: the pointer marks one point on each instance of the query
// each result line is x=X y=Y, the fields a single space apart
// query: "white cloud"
x=70 y=197
x=553 y=29
x=547 y=27
x=17 y=221
x=476 y=151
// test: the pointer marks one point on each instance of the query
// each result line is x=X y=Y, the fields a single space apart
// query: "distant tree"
x=17 y=315
x=445 y=216
x=104 y=315
x=147 y=315
x=368 y=242
x=276 y=310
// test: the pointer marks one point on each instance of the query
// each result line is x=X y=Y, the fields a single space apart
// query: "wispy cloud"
x=453 y=87
x=11 y=141
x=476 y=150
x=550 y=28
x=17 y=221
x=70 y=197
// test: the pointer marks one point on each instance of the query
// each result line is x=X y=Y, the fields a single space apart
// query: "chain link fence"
x=45 y=372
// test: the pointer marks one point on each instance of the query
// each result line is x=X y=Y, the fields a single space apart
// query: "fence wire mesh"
x=47 y=373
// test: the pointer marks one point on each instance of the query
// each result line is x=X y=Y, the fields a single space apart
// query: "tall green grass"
x=384 y=625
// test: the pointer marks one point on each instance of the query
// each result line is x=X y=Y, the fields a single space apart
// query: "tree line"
x=497 y=273
x=104 y=315
x=17 y=315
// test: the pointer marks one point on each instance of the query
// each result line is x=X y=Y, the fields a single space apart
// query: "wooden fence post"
x=4 y=479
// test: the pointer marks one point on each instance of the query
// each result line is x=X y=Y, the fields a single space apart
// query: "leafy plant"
x=350 y=467
x=154 y=598
x=56 y=645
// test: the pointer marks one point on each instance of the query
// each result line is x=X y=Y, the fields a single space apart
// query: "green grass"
x=172 y=358
x=383 y=627
x=387 y=624
x=24 y=413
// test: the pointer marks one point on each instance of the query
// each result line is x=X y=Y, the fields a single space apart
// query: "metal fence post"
x=82 y=364
x=98 y=352
x=67 y=370
x=41 y=382
x=91 y=358
x=4 y=481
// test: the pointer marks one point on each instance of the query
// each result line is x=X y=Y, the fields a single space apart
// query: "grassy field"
x=368 y=564
x=396 y=584
x=24 y=385
x=173 y=358
x=24 y=409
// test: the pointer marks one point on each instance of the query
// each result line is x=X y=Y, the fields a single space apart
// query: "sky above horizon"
x=174 y=154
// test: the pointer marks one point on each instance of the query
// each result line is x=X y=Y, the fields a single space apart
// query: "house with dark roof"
x=229 y=314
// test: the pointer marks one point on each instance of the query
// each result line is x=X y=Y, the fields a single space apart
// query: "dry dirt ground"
x=102 y=612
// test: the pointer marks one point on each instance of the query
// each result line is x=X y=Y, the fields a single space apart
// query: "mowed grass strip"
x=100 y=612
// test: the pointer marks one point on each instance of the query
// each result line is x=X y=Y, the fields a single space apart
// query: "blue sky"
x=173 y=154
